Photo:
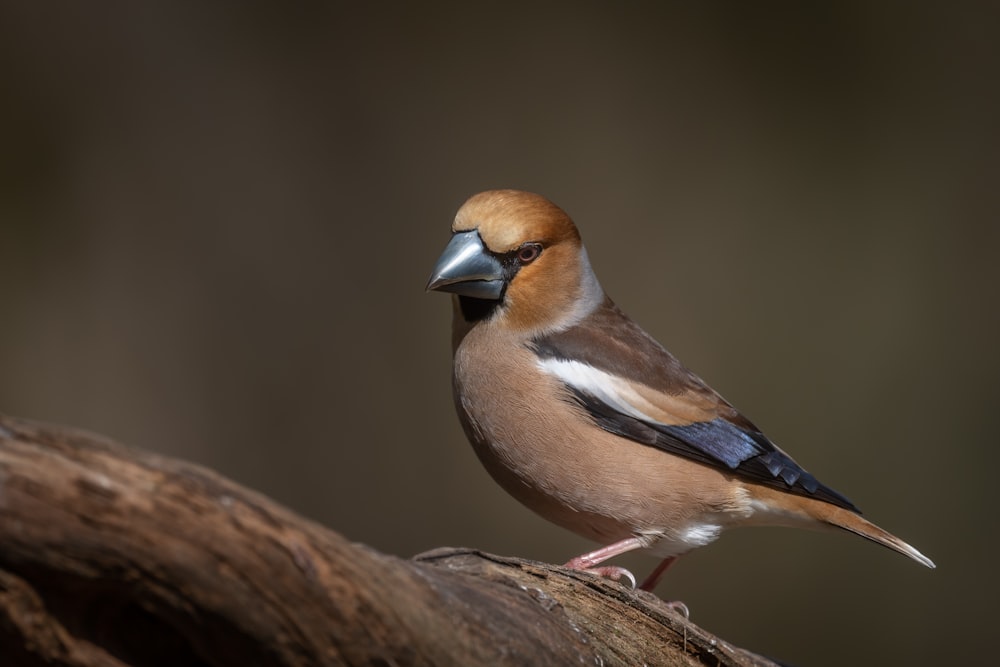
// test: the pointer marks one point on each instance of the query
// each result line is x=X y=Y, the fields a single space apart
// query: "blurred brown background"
x=216 y=223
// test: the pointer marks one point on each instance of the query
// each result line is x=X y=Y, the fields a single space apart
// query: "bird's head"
x=516 y=259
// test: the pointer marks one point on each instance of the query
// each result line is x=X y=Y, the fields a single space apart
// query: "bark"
x=114 y=556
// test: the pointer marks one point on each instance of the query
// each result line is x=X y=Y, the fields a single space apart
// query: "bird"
x=587 y=420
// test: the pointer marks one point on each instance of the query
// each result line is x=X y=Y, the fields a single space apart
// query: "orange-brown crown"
x=549 y=289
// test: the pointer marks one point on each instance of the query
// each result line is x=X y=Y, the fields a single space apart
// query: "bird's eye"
x=528 y=253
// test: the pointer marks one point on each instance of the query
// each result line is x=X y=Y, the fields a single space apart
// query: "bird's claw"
x=612 y=572
x=679 y=607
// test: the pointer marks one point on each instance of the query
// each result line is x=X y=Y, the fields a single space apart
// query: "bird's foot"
x=679 y=607
x=608 y=571
x=588 y=562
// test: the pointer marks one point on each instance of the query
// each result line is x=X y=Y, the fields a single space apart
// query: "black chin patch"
x=474 y=310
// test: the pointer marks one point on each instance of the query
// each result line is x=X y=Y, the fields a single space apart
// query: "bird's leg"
x=588 y=561
x=654 y=577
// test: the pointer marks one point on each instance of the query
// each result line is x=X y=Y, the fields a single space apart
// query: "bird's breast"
x=543 y=449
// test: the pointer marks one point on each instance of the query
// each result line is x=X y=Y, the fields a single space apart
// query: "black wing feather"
x=718 y=443
x=609 y=341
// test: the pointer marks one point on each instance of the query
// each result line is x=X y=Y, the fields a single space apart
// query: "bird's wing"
x=631 y=386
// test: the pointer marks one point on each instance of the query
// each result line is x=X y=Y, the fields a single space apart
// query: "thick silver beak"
x=466 y=268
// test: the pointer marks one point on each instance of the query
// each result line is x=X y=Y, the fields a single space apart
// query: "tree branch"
x=113 y=556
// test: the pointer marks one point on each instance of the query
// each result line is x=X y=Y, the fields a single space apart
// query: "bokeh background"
x=217 y=221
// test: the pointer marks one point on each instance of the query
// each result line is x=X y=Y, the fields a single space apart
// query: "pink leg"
x=588 y=561
x=597 y=557
x=654 y=577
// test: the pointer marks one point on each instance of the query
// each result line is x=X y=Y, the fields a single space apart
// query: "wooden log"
x=114 y=556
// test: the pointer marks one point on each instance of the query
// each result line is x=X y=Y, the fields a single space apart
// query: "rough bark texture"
x=112 y=556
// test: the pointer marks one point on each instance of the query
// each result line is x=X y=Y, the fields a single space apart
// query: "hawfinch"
x=583 y=417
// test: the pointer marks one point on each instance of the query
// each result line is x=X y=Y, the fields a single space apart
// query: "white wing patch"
x=612 y=390
x=585 y=378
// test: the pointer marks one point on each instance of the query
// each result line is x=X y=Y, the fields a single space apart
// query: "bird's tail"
x=831 y=515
